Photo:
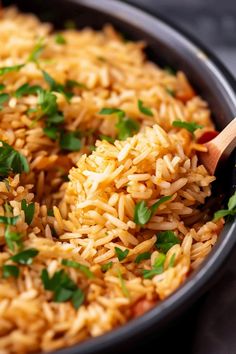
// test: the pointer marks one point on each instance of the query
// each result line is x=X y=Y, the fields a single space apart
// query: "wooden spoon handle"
x=220 y=147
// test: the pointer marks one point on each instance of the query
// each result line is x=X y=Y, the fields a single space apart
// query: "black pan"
x=167 y=45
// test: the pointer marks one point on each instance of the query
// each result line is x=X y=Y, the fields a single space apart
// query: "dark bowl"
x=167 y=45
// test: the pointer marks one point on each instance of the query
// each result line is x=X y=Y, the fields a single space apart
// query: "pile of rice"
x=94 y=212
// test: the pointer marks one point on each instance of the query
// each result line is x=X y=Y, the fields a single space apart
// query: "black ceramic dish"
x=166 y=46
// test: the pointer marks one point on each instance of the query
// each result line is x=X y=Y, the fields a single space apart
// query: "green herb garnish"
x=63 y=287
x=107 y=138
x=142 y=213
x=60 y=39
x=190 y=126
x=9 y=220
x=70 y=141
x=105 y=267
x=26 y=89
x=25 y=257
x=29 y=209
x=123 y=285
x=109 y=111
x=7 y=69
x=55 y=86
x=13 y=239
x=2 y=87
x=142 y=256
x=126 y=127
x=11 y=161
x=121 y=254
x=70 y=84
x=4 y=97
x=231 y=211
x=48 y=102
x=9 y=270
x=170 y=91
x=157 y=268
x=145 y=110
x=84 y=269
x=37 y=51
x=166 y=240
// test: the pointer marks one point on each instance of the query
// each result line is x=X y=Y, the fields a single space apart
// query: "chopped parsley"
x=2 y=87
x=60 y=39
x=105 y=267
x=9 y=270
x=123 y=285
x=170 y=91
x=142 y=256
x=11 y=161
x=172 y=261
x=26 y=89
x=157 y=268
x=121 y=254
x=63 y=287
x=4 y=97
x=107 y=138
x=55 y=86
x=126 y=127
x=29 y=209
x=145 y=110
x=190 y=126
x=7 y=69
x=84 y=269
x=37 y=51
x=25 y=257
x=165 y=240
x=48 y=102
x=109 y=111
x=9 y=220
x=70 y=141
x=13 y=239
x=70 y=84
x=142 y=213
x=231 y=211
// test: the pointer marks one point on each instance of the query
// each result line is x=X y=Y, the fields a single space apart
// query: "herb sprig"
x=142 y=213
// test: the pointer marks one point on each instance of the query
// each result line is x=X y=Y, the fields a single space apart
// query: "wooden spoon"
x=219 y=148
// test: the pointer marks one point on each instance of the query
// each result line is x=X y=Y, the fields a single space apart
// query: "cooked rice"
x=93 y=212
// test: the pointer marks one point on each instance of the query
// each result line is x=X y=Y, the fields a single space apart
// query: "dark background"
x=209 y=327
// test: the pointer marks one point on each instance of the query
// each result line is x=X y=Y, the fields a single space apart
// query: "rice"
x=88 y=217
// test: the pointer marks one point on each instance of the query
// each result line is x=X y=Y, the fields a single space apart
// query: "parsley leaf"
x=165 y=240
x=190 y=126
x=162 y=200
x=55 y=86
x=105 y=267
x=51 y=132
x=84 y=269
x=142 y=256
x=12 y=239
x=47 y=102
x=107 y=138
x=231 y=211
x=123 y=285
x=7 y=69
x=9 y=270
x=9 y=220
x=11 y=161
x=37 y=51
x=25 y=257
x=109 y=111
x=170 y=91
x=142 y=214
x=70 y=84
x=2 y=87
x=145 y=110
x=157 y=268
x=26 y=89
x=126 y=127
x=63 y=287
x=4 y=97
x=172 y=261
x=59 y=39
x=29 y=210
x=70 y=141
x=121 y=254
